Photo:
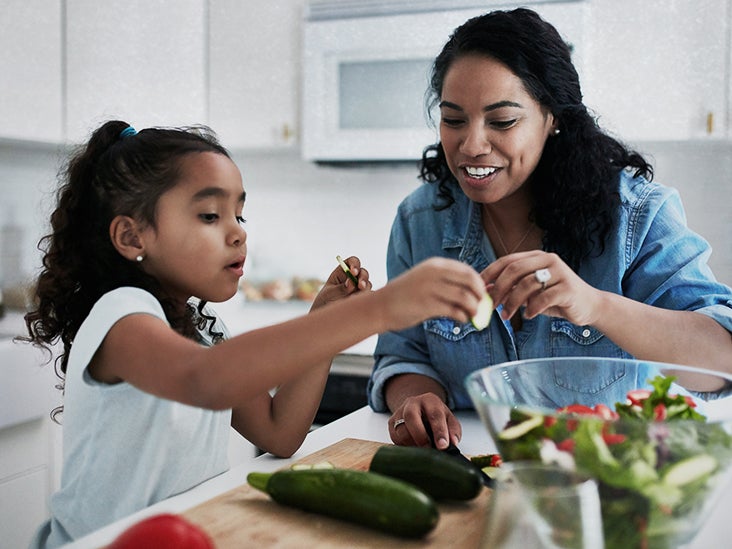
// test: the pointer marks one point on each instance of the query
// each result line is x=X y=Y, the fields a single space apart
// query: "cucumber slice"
x=690 y=469
x=346 y=270
x=522 y=428
x=485 y=309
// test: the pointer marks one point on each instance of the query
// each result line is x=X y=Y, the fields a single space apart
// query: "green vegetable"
x=440 y=475
x=690 y=470
x=485 y=309
x=361 y=497
x=520 y=429
x=346 y=270
x=655 y=459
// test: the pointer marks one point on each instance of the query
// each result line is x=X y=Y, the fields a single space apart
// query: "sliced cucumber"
x=346 y=270
x=522 y=428
x=485 y=309
x=689 y=470
x=306 y=466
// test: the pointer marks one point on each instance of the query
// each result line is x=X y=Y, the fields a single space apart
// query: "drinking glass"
x=535 y=505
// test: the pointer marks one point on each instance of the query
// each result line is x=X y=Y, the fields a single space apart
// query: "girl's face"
x=493 y=132
x=198 y=246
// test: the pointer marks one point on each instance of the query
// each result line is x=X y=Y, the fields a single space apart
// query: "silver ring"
x=542 y=276
x=398 y=422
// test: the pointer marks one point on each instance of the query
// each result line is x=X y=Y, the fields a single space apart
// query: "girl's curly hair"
x=574 y=186
x=113 y=174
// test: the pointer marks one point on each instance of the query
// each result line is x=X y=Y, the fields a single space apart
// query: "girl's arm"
x=145 y=352
x=278 y=424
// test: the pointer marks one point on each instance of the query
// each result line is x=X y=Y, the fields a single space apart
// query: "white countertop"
x=367 y=425
x=242 y=316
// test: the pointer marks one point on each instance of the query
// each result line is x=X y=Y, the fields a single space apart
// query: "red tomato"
x=164 y=531
x=578 y=409
x=660 y=412
x=637 y=396
x=567 y=445
x=613 y=438
x=604 y=412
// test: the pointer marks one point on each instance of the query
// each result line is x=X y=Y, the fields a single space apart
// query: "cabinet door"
x=30 y=65
x=139 y=61
x=656 y=69
x=254 y=68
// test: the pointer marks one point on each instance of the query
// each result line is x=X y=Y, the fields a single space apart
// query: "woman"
x=580 y=252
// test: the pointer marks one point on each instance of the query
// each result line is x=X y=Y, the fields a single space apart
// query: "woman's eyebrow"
x=487 y=108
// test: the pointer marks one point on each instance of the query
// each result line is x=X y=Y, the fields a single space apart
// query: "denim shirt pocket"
x=456 y=349
x=571 y=340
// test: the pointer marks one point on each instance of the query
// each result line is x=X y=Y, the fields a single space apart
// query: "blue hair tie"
x=128 y=131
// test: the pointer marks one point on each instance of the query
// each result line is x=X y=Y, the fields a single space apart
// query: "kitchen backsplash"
x=300 y=215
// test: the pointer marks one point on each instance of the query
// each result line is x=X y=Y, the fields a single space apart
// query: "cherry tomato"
x=164 y=531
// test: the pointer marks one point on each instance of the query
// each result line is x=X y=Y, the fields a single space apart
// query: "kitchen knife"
x=455 y=452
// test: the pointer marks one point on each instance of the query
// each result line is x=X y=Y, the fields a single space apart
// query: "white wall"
x=300 y=215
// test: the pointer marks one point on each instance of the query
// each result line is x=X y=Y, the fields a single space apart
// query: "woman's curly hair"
x=114 y=174
x=574 y=186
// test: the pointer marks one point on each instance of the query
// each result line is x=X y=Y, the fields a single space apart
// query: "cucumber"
x=690 y=470
x=361 y=497
x=520 y=429
x=485 y=309
x=347 y=270
x=440 y=475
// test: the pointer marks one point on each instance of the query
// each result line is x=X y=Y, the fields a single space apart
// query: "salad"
x=654 y=470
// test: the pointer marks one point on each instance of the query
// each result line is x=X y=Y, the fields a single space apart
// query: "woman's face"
x=493 y=132
x=198 y=246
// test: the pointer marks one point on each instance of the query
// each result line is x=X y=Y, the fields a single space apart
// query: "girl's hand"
x=512 y=281
x=339 y=285
x=435 y=287
x=416 y=411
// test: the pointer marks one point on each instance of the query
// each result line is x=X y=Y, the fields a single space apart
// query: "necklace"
x=500 y=238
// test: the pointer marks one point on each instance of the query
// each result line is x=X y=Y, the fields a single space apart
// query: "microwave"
x=366 y=68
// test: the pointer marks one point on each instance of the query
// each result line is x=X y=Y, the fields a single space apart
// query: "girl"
x=147 y=230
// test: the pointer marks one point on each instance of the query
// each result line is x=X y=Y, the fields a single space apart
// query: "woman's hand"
x=339 y=285
x=419 y=411
x=416 y=401
x=513 y=281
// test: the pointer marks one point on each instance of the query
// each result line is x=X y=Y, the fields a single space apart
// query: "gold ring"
x=398 y=422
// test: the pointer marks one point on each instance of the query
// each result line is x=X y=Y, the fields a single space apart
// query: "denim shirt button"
x=456 y=330
x=586 y=332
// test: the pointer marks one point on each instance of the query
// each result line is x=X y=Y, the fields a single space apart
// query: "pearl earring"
x=139 y=258
x=556 y=131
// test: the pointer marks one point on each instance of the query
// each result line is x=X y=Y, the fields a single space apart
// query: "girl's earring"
x=139 y=258
x=556 y=131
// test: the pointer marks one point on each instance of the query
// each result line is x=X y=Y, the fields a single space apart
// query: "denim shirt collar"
x=470 y=236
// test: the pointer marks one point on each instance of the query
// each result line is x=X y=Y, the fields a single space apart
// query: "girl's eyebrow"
x=216 y=192
x=487 y=108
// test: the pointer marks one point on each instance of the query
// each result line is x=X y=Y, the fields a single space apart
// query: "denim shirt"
x=651 y=257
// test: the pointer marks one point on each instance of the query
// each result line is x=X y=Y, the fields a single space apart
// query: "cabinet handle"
x=710 y=123
x=287 y=133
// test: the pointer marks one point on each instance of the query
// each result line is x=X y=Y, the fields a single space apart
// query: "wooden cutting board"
x=245 y=517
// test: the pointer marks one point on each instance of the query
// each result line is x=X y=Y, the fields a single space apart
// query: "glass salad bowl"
x=659 y=451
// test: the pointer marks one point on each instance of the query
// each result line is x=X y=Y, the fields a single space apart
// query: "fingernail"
x=442 y=443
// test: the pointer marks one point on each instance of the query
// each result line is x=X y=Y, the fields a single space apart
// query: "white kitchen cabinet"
x=26 y=480
x=31 y=71
x=656 y=69
x=139 y=61
x=254 y=68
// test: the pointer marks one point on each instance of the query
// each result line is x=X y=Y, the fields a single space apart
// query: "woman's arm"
x=645 y=331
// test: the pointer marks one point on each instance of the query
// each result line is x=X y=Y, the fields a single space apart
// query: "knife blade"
x=453 y=451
